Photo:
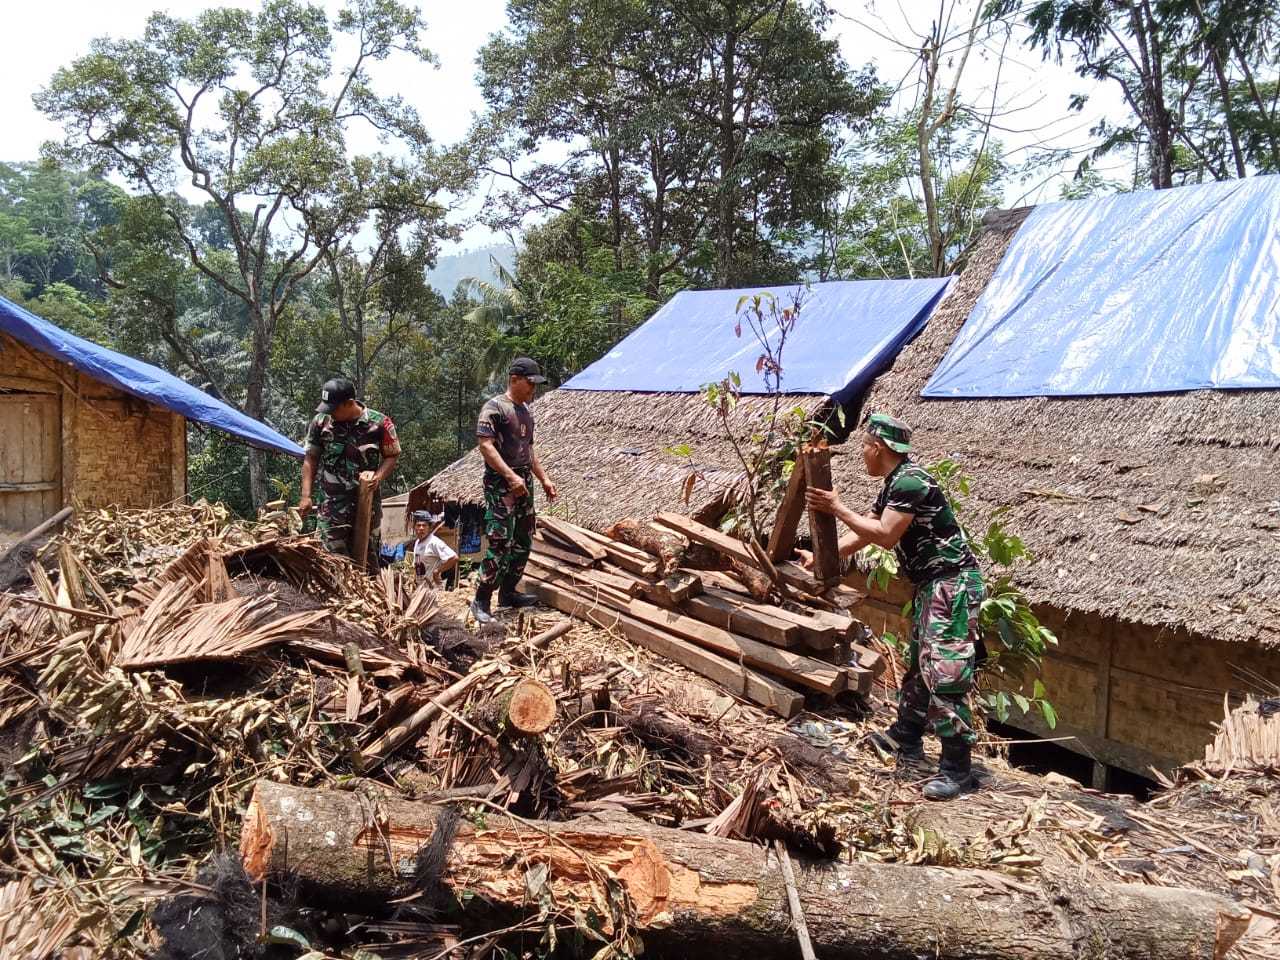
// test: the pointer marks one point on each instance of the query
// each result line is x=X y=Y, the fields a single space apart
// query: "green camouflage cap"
x=895 y=434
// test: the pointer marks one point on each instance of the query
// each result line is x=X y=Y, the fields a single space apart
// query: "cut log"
x=409 y=728
x=782 y=540
x=673 y=590
x=758 y=585
x=532 y=707
x=734 y=677
x=695 y=895
x=822 y=526
x=738 y=616
x=666 y=547
x=792 y=574
x=573 y=537
x=543 y=546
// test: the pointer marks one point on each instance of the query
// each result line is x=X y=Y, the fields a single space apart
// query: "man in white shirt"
x=432 y=557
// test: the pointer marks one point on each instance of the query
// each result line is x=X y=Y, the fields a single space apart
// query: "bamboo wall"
x=1133 y=696
x=114 y=449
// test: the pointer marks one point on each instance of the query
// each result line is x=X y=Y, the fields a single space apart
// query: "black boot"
x=902 y=741
x=955 y=771
x=509 y=596
x=480 y=605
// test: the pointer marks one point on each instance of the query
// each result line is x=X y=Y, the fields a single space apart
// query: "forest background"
x=248 y=198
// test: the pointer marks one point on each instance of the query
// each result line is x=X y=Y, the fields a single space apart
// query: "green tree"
x=242 y=108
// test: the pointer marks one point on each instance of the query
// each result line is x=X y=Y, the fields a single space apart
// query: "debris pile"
x=219 y=741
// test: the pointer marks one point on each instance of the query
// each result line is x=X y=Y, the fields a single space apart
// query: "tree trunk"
x=728 y=152
x=255 y=402
x=670 y=548
x=694 y=893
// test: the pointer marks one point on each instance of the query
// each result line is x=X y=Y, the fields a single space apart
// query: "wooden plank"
x=364 y=517
x=573 y=537
x=541 y=545
x=719 y=580
x=737 y=617
x=36 y=487
x=816 y=634
x=795 y=667
x=745 y=683
x=615 y=546
x=822 y=526
x=627 y=585
x=178 y=451
x=782 y=539
x=28 y=384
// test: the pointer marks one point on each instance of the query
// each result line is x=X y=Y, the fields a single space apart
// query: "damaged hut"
x=72 y=412
x=1127 y=426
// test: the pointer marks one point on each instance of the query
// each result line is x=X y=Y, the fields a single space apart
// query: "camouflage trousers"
x=336 y=522
x=508 y=523
x=942 y=658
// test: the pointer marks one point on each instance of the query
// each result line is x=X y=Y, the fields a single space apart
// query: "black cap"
x=524 y=367
x=334 y=394
x=422 y=516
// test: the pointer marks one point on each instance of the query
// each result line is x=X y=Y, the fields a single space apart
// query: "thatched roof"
x=607 y=451
x=1162 y=510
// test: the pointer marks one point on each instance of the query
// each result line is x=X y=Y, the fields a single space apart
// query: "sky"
x=1030 y=96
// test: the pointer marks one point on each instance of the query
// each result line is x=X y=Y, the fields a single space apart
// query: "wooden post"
x=783 y=538
x=364 y=515
x=822 y=526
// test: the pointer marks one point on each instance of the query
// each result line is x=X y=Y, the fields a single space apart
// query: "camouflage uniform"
x=345 y=450
x=508 y=520
x=942 y=656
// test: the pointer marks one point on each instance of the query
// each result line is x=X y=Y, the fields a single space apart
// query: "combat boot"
x=480 y=605
x=955 y=771
x=902 y=741
x=511 y=597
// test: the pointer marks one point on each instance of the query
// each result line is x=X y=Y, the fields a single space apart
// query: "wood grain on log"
x=532 y=707
x=695 y=893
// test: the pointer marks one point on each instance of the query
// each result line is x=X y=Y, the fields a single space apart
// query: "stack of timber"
x=710 y=621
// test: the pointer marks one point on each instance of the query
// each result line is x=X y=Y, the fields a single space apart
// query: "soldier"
x=913 y=517
x=504 y=433
x=345 y=441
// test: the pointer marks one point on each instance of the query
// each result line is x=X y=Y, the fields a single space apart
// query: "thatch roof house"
x=1153 y=518
x=81 y=423
x=606 y=436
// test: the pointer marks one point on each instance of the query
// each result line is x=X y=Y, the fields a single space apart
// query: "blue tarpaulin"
x=1150 y=292
x=846 y=332
x=140 y=379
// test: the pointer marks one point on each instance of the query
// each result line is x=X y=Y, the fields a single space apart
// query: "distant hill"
x=452 y=269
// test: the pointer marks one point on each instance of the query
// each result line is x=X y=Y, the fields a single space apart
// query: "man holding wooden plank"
x=504 y=434
x=346 y=441
x=913 y=517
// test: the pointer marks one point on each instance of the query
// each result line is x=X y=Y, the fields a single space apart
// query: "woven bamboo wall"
x=116 y=449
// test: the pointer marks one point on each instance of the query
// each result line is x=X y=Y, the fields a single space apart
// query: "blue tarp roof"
x=847 y=331
x=1167 y=290
x=138 y=378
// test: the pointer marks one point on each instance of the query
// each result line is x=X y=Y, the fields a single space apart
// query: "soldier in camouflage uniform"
x=913 y=517
x=344 y=440
x=504 y=434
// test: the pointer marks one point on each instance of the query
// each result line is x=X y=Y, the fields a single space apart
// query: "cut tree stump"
x=695 y=895
x=532 y=707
